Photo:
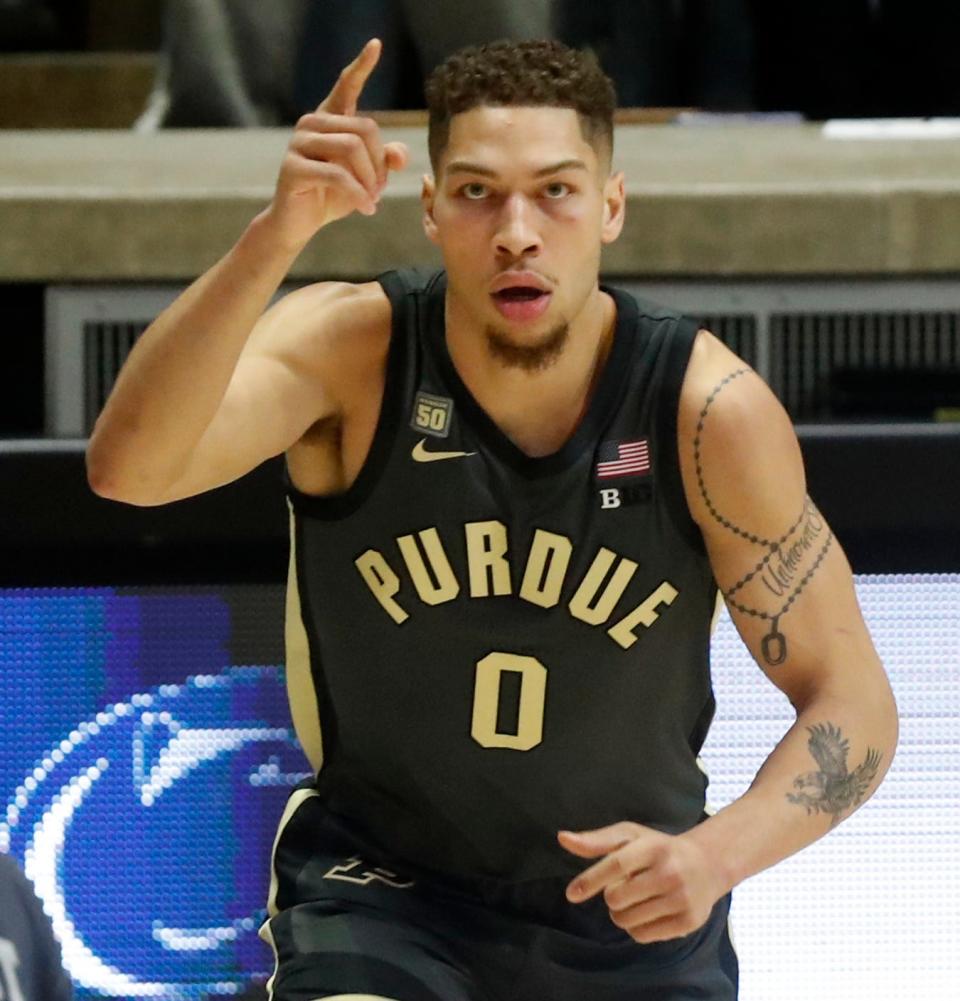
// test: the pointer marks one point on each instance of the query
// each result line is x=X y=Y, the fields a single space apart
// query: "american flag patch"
x=623 y=458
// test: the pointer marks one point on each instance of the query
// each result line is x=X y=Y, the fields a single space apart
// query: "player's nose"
x=517 y=235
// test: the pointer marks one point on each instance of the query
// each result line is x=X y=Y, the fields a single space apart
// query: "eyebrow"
x=465 y=167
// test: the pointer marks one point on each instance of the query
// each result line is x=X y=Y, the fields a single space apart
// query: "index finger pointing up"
x=342 y=100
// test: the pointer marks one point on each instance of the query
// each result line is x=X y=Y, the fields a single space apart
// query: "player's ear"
x=428 y=195
x=614 y=207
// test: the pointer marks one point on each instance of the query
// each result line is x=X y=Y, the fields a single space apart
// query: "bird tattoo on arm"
x=833 y=789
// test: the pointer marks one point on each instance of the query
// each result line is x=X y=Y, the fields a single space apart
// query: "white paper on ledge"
x=892 y=128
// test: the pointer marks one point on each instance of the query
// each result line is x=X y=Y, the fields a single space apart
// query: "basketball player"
x=514 y=494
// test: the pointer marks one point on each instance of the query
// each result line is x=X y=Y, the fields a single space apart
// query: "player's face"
x=520 y=208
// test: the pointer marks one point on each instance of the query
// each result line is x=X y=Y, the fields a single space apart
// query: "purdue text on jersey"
x=488 y=573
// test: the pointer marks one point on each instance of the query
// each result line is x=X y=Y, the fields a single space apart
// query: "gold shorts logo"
x=354 y=870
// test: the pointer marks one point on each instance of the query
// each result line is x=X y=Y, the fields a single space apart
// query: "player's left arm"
x=790 y=593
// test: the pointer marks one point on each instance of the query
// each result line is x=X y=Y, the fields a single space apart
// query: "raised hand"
x=336 y=162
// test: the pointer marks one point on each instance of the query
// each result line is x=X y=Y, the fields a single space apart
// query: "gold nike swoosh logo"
x=420 y=453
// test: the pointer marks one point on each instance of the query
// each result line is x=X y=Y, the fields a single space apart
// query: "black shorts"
x=345 y=921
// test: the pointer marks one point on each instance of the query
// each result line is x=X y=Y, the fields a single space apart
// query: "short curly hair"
x=541 y=73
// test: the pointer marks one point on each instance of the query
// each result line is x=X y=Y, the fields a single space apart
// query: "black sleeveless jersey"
x=503 y=646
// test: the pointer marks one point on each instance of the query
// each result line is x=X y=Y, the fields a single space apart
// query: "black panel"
x=55 y=530
x=21 y=372
x=891 y=493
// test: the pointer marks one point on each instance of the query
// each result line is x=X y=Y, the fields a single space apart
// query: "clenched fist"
x=336 y=161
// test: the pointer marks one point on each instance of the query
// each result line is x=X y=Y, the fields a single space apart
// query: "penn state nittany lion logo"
x=130 y=825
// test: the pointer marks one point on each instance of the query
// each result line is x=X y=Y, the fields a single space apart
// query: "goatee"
x=528 y=357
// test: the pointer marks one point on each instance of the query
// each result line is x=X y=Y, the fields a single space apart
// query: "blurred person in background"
x=417 y=35
x=226 y=63
x=31 y=967
x=247 y=63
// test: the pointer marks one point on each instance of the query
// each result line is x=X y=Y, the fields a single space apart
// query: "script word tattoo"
x=769 y=590
x=833 y=789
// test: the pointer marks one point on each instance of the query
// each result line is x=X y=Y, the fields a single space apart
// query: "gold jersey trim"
x=301 y=692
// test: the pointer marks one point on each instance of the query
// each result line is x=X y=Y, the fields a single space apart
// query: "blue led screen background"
x=147 y=753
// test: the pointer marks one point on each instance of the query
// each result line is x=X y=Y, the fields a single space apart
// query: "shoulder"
x=737 y=444
x=331 y=312
x=331 y=330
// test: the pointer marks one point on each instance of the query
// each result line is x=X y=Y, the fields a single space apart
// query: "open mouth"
x=519 y=293
x=521 y=303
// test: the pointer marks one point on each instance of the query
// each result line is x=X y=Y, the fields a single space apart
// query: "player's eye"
x=474 y=191
x=557 y=189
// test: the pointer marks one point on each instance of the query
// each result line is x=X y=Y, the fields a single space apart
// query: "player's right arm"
x=215 y=385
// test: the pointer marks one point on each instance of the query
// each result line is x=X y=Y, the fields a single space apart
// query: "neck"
x=539 y=409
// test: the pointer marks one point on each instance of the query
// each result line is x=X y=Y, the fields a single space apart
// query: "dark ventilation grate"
x=105 y=349
x=865 y=366
x=842 y=365
x=737 y=331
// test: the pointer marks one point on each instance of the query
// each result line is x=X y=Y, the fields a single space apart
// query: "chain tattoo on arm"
x=767 y=592
x=779 y=570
